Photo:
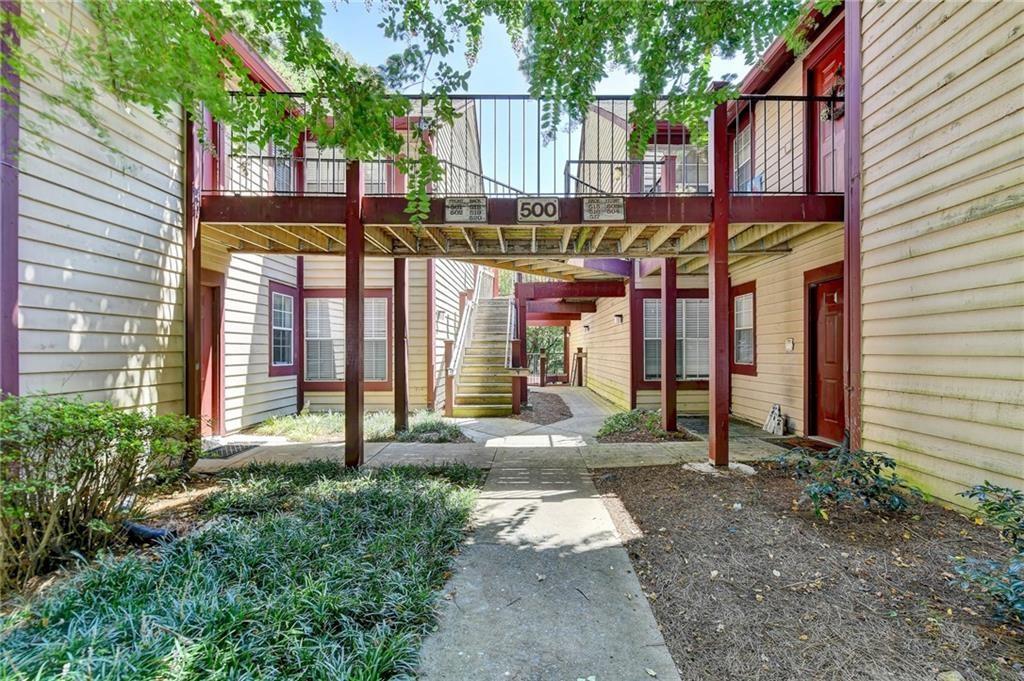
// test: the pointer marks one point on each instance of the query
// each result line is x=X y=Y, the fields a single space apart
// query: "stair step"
x=465 y=411
x=476 y=400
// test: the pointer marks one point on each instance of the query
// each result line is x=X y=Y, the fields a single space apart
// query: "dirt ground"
x=544 y=409
x=641 y=435
x=746 y=587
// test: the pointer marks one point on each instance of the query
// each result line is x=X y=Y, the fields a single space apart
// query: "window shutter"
x=652 y=340
x=375 y=339
x=325 y=339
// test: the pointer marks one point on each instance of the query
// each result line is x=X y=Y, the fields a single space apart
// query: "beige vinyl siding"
x=451 y=277
x=459 y=144
x=606 y=368
x=943 y=241
x=251 y=394
x=100 y=246
x=779 y=314
x=329 y=272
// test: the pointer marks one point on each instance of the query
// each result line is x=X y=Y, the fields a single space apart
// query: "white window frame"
x=746 y=326
x=375 y=334
x=275 y=327
x=337 y=343
x=742 y=158
x=654 y=337
x=372 y=334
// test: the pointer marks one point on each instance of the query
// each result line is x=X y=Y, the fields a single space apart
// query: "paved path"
x=544 y=590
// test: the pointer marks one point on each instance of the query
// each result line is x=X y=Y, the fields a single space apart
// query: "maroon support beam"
x=556 y=306
x=668 y=345
x=851 y=245
x=565 y=352
x=570 y=289
x=550 y=322
x=401 y=384
x=649 y=266
x=516 y=394
x=718 y=293
x=355 y=244
x=619 y=266
x=300 y=324
x=553 y=316
x=10 y=125
x=193 y=271
x=431 y=338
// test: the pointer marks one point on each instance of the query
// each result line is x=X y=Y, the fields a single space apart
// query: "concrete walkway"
x=544 y=590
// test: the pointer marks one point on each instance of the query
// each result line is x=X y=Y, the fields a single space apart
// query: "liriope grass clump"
x=304 y=571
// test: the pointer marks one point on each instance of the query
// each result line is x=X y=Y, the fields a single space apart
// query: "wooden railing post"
x=516 y=395
x=449 y=380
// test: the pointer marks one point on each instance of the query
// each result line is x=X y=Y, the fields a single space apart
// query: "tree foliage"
x=160 y=55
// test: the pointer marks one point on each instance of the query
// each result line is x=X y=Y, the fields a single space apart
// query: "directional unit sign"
x=537 y=209
x=465 y=209
x=604 y=209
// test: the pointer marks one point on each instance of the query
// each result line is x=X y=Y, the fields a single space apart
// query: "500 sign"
x=537 y=209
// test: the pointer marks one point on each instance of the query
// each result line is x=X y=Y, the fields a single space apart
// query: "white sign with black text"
x=604 y=209
x=537 y=209
x=465 y=209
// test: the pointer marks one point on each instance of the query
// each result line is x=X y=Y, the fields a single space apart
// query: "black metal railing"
x=499 y=146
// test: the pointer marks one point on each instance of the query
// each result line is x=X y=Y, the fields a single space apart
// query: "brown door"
x=829 y=419
x=209 y=323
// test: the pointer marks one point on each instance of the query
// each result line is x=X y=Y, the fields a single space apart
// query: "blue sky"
x=354 y=27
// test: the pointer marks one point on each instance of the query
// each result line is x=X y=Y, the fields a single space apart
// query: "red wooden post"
x=355 y=242
x=10 y=127
x=718 y=292
x=449 y=380
x=565 y=352
x=524 y=395
x=401 y=385
x=193 y=272
x=579 y=367
x=668 y=345
x=299 y=158
x=300 y=335
x=516 y=401
x=543 y=368
x=495 y=288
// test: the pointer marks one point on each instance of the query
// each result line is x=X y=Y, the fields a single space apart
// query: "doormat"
x=800 y=443
x=227 y=451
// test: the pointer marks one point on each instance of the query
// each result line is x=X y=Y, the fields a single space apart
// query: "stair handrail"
x=462 y=337
x=510 y=331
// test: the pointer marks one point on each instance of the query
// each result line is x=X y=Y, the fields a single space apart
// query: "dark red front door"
x=827 y=80
x=210 y=364
x=829 y=420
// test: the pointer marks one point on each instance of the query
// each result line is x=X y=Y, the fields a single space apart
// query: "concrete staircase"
x=484 y=387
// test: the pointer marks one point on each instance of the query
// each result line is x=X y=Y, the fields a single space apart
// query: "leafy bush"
x=637 y=420
x=70 y=472
x=1001 y=580
x=840 y=475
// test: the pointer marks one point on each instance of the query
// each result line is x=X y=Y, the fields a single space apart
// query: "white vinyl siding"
x=743 y=329
x=325 y=339
x=692 y=334
x=283 y=329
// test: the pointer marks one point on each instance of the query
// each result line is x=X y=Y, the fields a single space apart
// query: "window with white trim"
x=743 y=329
x=324 y=171
x=282 y=329
x=691 y=168
x=325 y=339
x=743 y=168
x=692 y=339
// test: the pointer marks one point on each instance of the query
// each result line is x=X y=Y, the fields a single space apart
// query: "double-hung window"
x=325 y=339
x=742 y=161
x=325 y=171
x=282 y=329
x=692 y=338
x=744 y=349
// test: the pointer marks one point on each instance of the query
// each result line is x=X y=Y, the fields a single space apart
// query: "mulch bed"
x=765 y=591
x=544 y=409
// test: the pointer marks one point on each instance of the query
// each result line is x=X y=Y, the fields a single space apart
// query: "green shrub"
x=70 y=472
x=637 y=420
x=378 y=426
x=841 y=475
x=1001 y=580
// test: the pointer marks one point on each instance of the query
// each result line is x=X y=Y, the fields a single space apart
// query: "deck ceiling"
x=314 y=226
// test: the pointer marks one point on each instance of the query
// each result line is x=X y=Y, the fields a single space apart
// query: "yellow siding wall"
x=779 y=312
x=100 y=248
x=606 y=368
x=943 y=240
x=329 y=272
x=251 y=395
x=451 y=277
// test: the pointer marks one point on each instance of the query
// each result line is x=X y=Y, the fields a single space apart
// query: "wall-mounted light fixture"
x=618 y=318
x=586 y=328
